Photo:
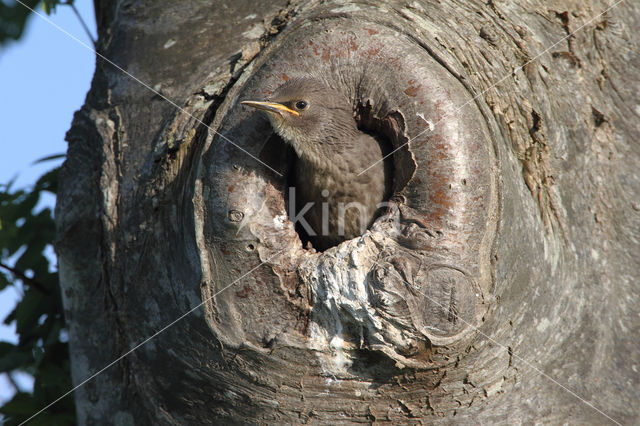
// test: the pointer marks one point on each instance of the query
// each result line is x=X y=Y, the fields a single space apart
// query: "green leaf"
x=28 y=310
x=13 y=358
x=21 y=405
x=48 y=181
x=49 y=158
x=39 y=315
x=49 y=6
x=13 y=19
x=4 y=282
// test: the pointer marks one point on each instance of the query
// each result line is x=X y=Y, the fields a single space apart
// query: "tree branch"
x=82 y=22
x=32 y=282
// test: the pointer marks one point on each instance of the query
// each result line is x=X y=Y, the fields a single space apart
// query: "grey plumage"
x=318 y=123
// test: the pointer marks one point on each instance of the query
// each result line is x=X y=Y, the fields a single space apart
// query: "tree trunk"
x=499 y=287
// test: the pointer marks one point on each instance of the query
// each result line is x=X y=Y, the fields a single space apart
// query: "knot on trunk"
x=413 y=287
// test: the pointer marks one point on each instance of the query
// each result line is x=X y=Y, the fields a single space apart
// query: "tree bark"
x=499 y=287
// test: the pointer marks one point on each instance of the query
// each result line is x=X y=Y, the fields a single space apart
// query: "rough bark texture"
x=501 y=286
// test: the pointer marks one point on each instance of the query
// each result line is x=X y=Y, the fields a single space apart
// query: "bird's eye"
x=301 y=105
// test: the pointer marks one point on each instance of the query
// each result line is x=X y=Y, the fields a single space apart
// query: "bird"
x=334 y=200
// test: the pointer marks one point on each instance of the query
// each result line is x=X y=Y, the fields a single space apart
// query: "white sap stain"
x=253 y=33
x=278 y=221
x=341 y=299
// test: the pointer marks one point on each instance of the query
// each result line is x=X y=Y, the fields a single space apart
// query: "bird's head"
x=313 y=118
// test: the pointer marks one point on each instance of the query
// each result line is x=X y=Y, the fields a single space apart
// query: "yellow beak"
x=270 y=107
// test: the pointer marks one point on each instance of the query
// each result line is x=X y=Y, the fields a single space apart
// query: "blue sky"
x=44 y=79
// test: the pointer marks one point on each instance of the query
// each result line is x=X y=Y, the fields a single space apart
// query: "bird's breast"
x=339 y=204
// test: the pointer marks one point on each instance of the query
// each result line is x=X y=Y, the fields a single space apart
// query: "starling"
x=335 y=202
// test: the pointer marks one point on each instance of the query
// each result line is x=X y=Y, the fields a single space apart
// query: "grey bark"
x=500 y=288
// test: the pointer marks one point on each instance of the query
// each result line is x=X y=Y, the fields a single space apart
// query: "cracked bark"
x=517 y=214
